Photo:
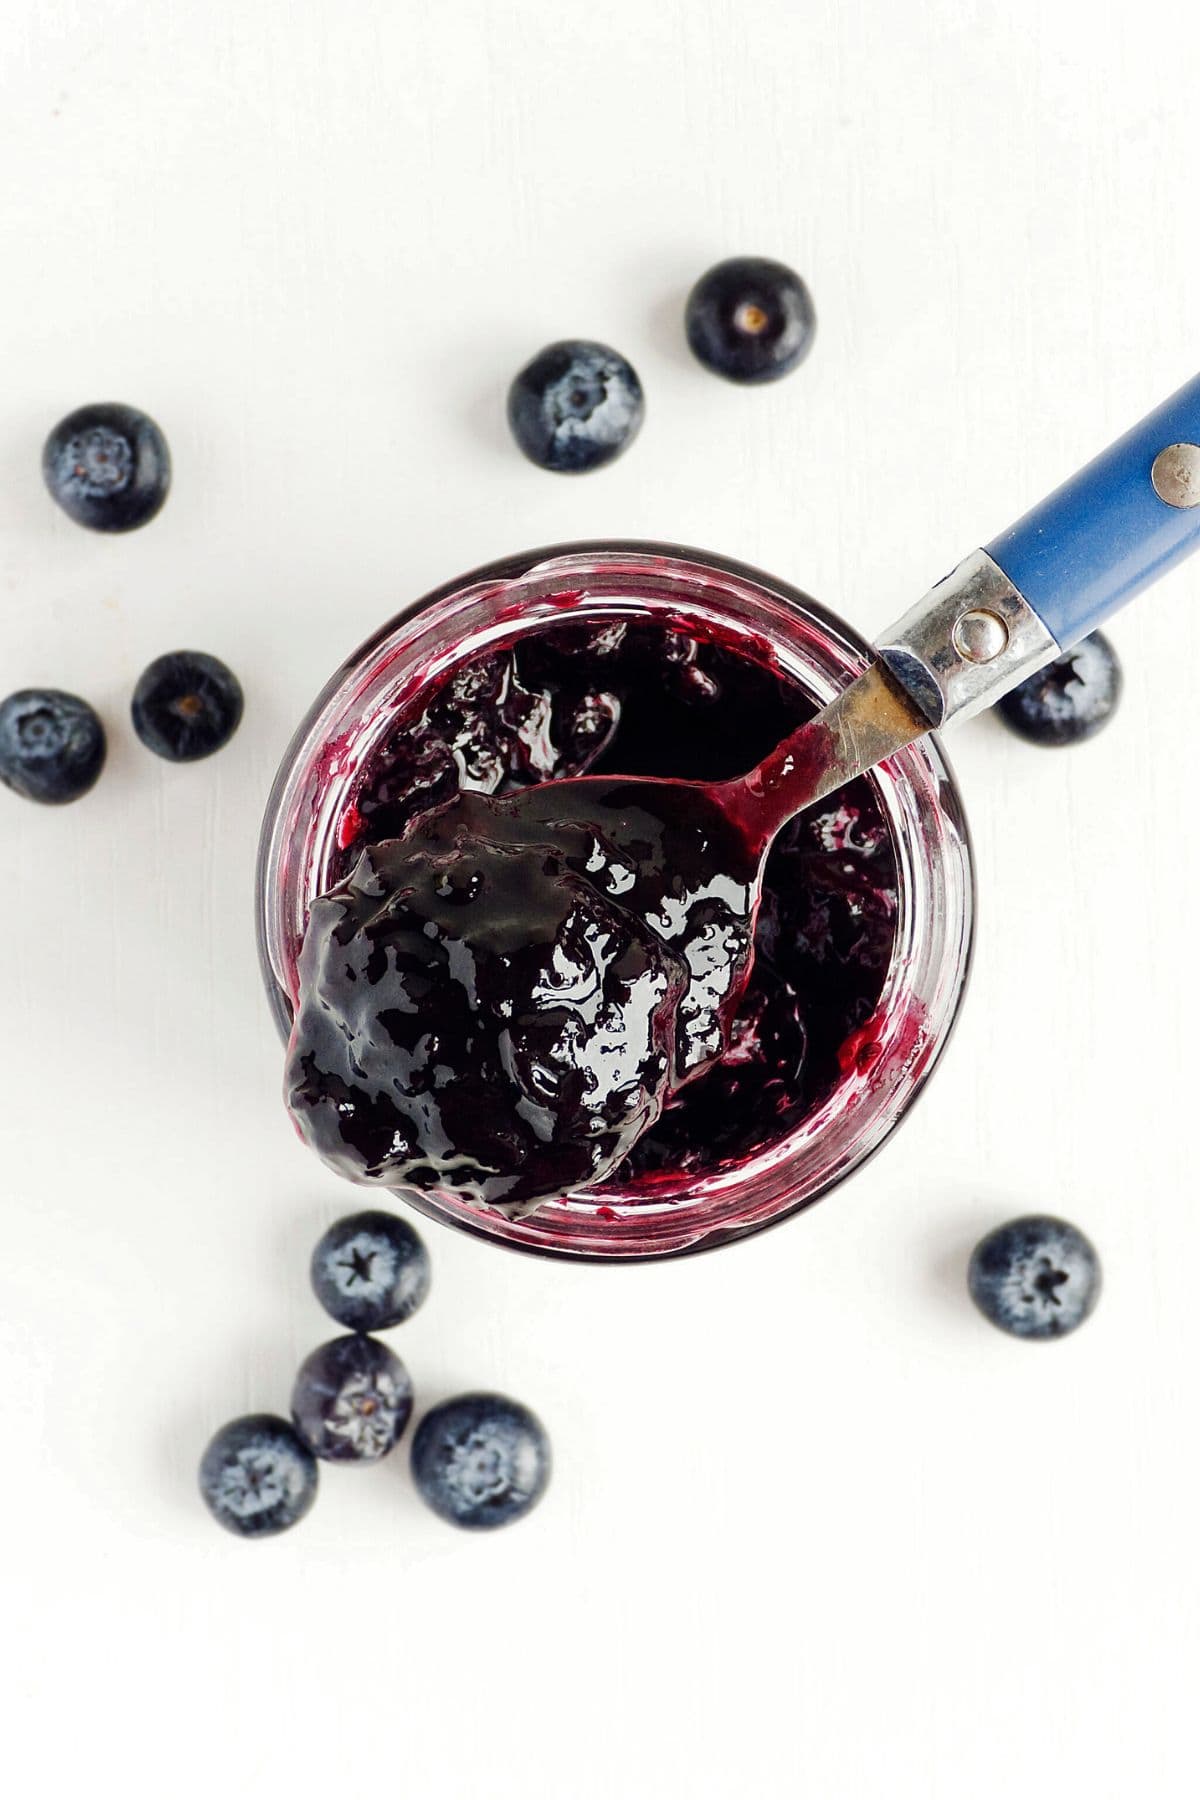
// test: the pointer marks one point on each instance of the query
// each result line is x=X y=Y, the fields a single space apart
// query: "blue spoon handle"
x=1111 y=530
x=1059 y=572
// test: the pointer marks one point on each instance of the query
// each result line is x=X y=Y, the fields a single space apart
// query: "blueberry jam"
x=499 y=1002
x=624 y=914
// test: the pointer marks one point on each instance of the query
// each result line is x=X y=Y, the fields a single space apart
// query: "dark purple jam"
x=388 y=1007
x=498 y=1003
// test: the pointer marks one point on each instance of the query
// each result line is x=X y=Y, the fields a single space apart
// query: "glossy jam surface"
x=499 y=1003
x=383 y=955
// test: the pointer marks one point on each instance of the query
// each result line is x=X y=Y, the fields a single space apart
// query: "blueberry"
x=257 y=1477
x=1035 y=1277
x=481 y=1460
x=108 y=466
x=52 y=745
x=370 y=1271
x=352 y=1400
x=750 y=319
x=186 y=705
x=575 y=406
x=1069 y=700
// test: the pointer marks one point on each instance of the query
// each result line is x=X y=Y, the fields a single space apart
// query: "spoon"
x=1007 y=610
x=497 y=1004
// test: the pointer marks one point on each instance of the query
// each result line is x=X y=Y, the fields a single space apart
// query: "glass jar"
x=593 y=583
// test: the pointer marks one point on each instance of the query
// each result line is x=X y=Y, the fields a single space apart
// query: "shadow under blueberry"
x=485 y=418
x=666 y=330
x=950 y=1243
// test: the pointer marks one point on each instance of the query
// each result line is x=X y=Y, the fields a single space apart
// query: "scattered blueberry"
x=370 y=1271
x=575 y=406
x=257 y=1477
x=750 y=319
x=352 y=1400
x=108 y=466
x=481 y=1460
x=1035 y=1277
x=186 y=705
x=1069 y=700
x=52 y=745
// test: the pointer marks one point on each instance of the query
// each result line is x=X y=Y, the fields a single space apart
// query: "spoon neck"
x=781 y=785
x=755 y=815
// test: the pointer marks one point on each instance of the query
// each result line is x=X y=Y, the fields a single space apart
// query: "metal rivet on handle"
x=979 y=636
x=1176 y=474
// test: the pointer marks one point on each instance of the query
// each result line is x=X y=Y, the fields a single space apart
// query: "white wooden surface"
x=815 y=1530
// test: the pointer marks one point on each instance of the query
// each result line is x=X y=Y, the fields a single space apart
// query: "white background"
x=815 y=1529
